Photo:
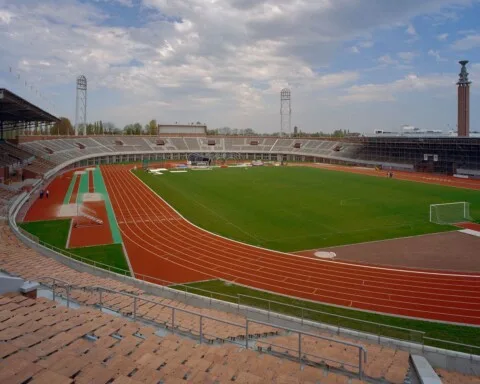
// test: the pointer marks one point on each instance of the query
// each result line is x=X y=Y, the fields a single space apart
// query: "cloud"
x=361 y=44
x=389 y=91
x=387 y=60
x=125 y=3
x=442 y=37
x=467 y=43
x=407 y=56
x=5 y=17
x=436 y=55
x=411 y=30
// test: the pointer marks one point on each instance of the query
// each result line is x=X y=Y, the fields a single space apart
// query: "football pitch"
x=298 y=208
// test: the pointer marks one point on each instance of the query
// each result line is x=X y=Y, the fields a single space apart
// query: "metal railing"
x=29 y=235
x=171 y=323
x=302 y=355
x=98 y=292
x=339 y=321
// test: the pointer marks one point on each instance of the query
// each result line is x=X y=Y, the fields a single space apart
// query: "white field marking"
x=470 y=232
x=79 y=172
x=148 y=220
x=178 y=171
x=300 y=256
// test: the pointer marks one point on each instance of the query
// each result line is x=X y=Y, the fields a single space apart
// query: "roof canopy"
x=14 y=110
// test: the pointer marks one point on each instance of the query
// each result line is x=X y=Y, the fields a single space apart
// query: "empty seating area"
x=58 y=151
x=448 y=377
x=42 y=342
x=382 y=363
x=40 y=166
x=15 y=154
x=6 y=195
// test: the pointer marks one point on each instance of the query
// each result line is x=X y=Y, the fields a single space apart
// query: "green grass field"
x=352 y=319
x=296 y=208
x=55 y=232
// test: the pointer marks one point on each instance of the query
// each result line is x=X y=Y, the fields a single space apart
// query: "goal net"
x=450 y=213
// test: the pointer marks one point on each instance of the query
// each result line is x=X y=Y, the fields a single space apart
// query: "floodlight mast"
x=81 y=105
x=285 y=112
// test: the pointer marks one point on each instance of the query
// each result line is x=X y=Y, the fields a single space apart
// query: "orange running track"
x=160 y=243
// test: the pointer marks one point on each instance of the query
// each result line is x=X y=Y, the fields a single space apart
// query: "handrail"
x=245 y=328
x=303 y=309
x=362 y=351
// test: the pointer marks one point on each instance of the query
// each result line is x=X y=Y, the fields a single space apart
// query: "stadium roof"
x=14 y=109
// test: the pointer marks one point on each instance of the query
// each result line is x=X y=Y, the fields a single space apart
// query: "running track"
x=160 y=243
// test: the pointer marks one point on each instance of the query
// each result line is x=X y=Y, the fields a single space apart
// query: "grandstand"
x=447 y=155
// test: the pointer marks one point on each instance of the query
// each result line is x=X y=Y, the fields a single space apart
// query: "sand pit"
x=92 y=197
x=90 y=169
x=67 y=210
x=79 y=173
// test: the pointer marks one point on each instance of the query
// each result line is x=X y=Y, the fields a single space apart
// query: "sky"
x=358 y=65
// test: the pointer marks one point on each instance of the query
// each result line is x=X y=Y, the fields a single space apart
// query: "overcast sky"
x=350 y=64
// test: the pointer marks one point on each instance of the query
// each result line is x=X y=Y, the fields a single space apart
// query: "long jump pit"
x=85 y=232
x=446 y=251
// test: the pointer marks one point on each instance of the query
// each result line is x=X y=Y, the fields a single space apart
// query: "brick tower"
x=463 y=101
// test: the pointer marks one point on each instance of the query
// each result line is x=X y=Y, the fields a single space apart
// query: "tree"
x=137 y=129
x=63 y=127
x=90 y=129
x=152 y=127
x=109 y=128
x=128 y=129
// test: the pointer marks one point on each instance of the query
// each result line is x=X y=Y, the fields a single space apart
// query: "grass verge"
x=342 y=317
x=55 y=233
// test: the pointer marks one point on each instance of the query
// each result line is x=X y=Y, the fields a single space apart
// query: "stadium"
x=188 y=257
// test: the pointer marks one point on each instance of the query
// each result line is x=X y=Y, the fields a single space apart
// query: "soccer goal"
x=450 y=213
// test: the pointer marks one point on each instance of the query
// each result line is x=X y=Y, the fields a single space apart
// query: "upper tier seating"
x=60 y=150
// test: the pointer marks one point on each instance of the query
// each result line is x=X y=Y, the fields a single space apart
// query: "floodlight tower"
x=285 y=112
x=81 y=105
